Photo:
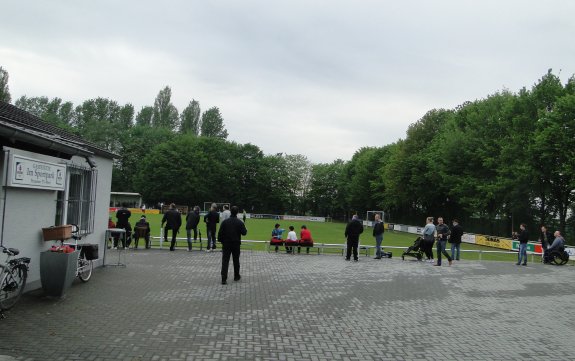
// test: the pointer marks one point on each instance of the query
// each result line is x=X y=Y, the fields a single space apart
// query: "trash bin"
x=57 y=271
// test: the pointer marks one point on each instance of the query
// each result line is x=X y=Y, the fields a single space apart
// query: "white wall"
x=29 y=210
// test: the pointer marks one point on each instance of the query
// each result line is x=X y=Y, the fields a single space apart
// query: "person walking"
x=455 y=239
x=523 y=238
x=443 y=233
x=192 y=220
x=173 y=220
x=230 y=236
x=211 y=219
x=378 y=230
x=429 y=239
x=352 y=231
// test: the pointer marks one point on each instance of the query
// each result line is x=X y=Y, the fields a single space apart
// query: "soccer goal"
x=370 y=217
x=219 y=206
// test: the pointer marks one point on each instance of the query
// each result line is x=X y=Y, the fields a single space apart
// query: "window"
x=77 y=204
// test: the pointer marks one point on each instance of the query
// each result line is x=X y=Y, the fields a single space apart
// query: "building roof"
x=18 y=126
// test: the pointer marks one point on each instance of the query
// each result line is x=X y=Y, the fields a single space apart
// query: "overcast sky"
x=319 y=78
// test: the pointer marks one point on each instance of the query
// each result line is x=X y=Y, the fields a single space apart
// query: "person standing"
x=192 y=220
x=443 y=233
x=225 y=213
x=352 y=231
x=230 y=236
x=545 y=237
x=523 y=238
x=173 y=220
x=244 y=216
x=455 y=239
x=429 y=239
x=211 y=219
x=123 y=215
x=378 y=230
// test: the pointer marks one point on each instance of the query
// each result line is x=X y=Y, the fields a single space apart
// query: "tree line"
x=492 y=163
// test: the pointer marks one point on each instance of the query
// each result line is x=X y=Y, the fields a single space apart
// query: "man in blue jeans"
x=442 y=234
x=378 y=230
x=455 y=239
x=523 y=238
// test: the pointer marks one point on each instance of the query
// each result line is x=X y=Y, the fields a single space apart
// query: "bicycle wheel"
x=85 y=268
x=12 y=285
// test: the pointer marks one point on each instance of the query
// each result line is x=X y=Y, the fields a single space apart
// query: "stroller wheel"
x=402 y=258
x=419 y=257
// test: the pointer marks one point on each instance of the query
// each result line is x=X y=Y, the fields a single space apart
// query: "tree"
x=190 y=119
x=326 y=196
x=144 y=117
x=135 y=144
x=213 y=124
x=165 y=113
x=554 y=143
x=104 y=122
x=4 y=90
x=52 y=111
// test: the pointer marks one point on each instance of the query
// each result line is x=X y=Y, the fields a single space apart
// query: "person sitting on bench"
x=277 y=236
x=291 y=239
x=305 y=239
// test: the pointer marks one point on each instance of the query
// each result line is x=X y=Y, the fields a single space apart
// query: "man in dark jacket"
x=545 y=237
x=230 y=235
x=523 y=238
x=173 y=220
x=123 y=215
x=142 y=229
x=443 y=233
x=455 y=239
x=352 y=231
x=192 y=220
x=378 y=230
x=212 y=219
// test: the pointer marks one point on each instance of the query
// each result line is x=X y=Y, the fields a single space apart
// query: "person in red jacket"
x=305 y=239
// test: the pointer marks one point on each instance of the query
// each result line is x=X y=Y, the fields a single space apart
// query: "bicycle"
x=85 y=265
x=13 y=275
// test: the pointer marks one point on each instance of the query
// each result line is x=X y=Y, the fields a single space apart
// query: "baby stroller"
x=415 y=250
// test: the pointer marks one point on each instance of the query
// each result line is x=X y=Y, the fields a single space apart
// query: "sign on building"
x=32 y=173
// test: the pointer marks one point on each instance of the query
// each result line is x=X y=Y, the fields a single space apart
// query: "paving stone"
x=171 y=306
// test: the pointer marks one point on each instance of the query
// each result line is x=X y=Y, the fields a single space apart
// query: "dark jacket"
x=546 y=238
x=123 y=214
x=192 y=220
x=353 y=230
x=523 y=236
x=142 y=223
x=211 y=219
x=232 y=230
x=173 y=219
x=456 y=234
x=378 y=229
x=442 y=231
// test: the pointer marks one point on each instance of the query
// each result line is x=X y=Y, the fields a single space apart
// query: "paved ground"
x=171 y=306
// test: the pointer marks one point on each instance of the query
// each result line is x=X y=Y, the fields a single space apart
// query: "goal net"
x=370 y=217
x=219 y=206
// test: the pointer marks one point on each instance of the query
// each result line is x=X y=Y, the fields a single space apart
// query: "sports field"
x=328 y=232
